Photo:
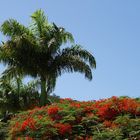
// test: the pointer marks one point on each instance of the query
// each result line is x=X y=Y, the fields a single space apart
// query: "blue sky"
x=110 y=29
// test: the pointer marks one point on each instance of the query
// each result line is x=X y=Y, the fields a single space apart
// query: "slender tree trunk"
x=18 y=86
x=43 y=96
x=18 y=80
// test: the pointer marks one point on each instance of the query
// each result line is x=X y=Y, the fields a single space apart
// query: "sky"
x=109 y=29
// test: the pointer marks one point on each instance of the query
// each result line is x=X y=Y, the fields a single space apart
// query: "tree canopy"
x=37 y=51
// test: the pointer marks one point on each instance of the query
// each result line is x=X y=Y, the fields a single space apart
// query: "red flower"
x=110 y=124
x=76 y=105
x=128 y=105
x=88 y=109
x=53 y=110
x=63 y=128
x=28 y=123
x=28 y=138
x=107 y=112
x=24 y=125
x=107 y=123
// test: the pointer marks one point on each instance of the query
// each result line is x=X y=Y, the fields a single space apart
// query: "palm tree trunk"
x=18 y=86
x=18 y=80
x=43 y=96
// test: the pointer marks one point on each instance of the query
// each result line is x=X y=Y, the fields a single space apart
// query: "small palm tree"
x=36 y=51
x=13 y=98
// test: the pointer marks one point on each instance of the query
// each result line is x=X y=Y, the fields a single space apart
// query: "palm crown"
x=36 y=51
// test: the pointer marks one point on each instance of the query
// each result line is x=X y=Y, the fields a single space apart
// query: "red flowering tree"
x=113 y=118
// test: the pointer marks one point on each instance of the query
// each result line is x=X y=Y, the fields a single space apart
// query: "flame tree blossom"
x=116 y=118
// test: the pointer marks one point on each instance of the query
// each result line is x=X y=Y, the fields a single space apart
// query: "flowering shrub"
x=52 y=110
x=113 y=118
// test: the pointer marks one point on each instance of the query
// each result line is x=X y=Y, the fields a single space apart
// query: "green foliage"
x=108 y=134
x=3 y=131
x=129 y=126
x=13 y=99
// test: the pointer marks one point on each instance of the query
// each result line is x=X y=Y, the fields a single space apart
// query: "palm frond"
x=58 y=37
x=11 y=72
x=62 y=34
x=82 y=53
x=39 y=22
x=13 y=28
x=6 y=53
x=71 y=64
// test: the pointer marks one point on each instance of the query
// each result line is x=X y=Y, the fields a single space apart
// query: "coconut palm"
x=37 y=51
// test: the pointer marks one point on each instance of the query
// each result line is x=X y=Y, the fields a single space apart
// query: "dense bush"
x=108 y=119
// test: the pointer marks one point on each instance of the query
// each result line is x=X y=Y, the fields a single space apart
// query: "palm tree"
x=12 y=74
x=14 y=99
x=36 y=51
